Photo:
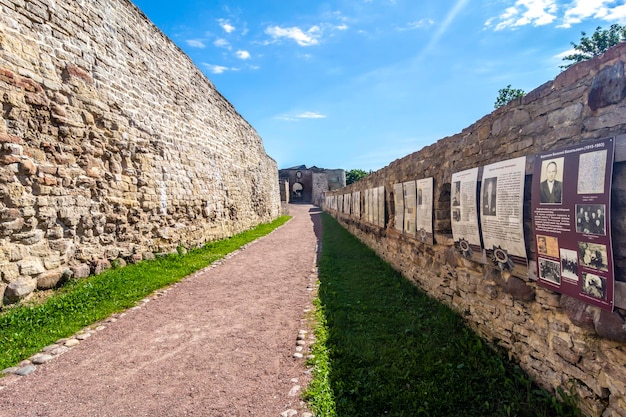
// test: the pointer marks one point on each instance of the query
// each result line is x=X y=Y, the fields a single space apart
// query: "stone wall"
x=114 y=145
x=558 y=340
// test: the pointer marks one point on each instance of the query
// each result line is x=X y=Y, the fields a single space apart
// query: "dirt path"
x=219 y=343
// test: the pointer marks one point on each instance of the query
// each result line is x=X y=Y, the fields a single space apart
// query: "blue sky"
x=359 y=83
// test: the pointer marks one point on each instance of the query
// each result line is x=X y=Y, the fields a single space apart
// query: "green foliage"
x=385 y=348
x=354 y=175
x=24 y=330
x=506 y=94
x=598 y=43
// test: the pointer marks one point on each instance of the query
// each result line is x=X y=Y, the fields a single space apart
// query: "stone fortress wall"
x=113 y=146
x=558 y=340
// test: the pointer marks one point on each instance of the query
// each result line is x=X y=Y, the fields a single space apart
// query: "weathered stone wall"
x=560 y=341
x=114 y=145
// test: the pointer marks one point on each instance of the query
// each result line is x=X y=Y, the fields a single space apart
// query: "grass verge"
x=385 y=348
x=24 y=330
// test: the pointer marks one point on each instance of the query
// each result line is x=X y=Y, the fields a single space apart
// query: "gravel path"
x=225 y=341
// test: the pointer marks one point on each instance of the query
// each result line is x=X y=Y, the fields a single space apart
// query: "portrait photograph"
x=456 y=193
x=489 y=196
x=548 y=245
x=551 y=185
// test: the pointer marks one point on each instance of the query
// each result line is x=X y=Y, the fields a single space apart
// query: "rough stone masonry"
x=113 y=146
x=560 y=341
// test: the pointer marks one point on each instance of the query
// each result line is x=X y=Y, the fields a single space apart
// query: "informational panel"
x=398 y=203
x=381 y=206
x=424 y=222
x=410 y=208
x=374 y=205
x=571 y=209
x=464 y=213
x=502 y=212
x=347 y=203
x=356 y=204
x=367 y=207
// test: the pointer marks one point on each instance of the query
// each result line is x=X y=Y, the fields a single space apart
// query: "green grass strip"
x=385 y=348
x=24 y=330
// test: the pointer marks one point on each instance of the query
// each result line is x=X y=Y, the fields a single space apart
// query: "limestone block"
x=9 y=215
x=65 y=247
x=31 y=266
x=29 y=238
x=52 y=261
x=9 y=272
x=80 y=270
x=3 y=287
x=8 y=228
x=49 y=279
x=100 y=266
x=18 y=290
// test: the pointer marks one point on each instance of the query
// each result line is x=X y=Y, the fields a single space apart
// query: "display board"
x=502 y=212
x=356 y=204
x=464 y=213
x=398 y=202
x=380 y=219
x=424 y=199
x=410 y=208
x=571 y=198
x=347 y=203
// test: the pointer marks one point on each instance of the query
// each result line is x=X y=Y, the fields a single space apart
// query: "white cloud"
x=617 y=14
x=418 y=24
x=308 y=38
x=310 y=115
x=243 y=54
x=222 y=43
x=342 y=26
x=225 y=24
x=216 y=69
x=526 y=12
x=303 y=115
x=194 y=43
x=583 y=9
x=563 y=54
x=543 y=12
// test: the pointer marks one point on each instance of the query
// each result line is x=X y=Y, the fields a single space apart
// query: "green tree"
x=507 y=94
x=598 y=43
x=354 y=175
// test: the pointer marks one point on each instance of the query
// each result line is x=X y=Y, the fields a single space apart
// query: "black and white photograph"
x=456 y=215
x=550 y=270
x=569 y=264
x=551 y=186
x=594 y=285
x=490 y=196
x=456 y=193
x=593 y=255
x=591 y=219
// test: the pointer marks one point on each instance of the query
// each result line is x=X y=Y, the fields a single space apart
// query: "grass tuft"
x=25 y=330
x=385 y=348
